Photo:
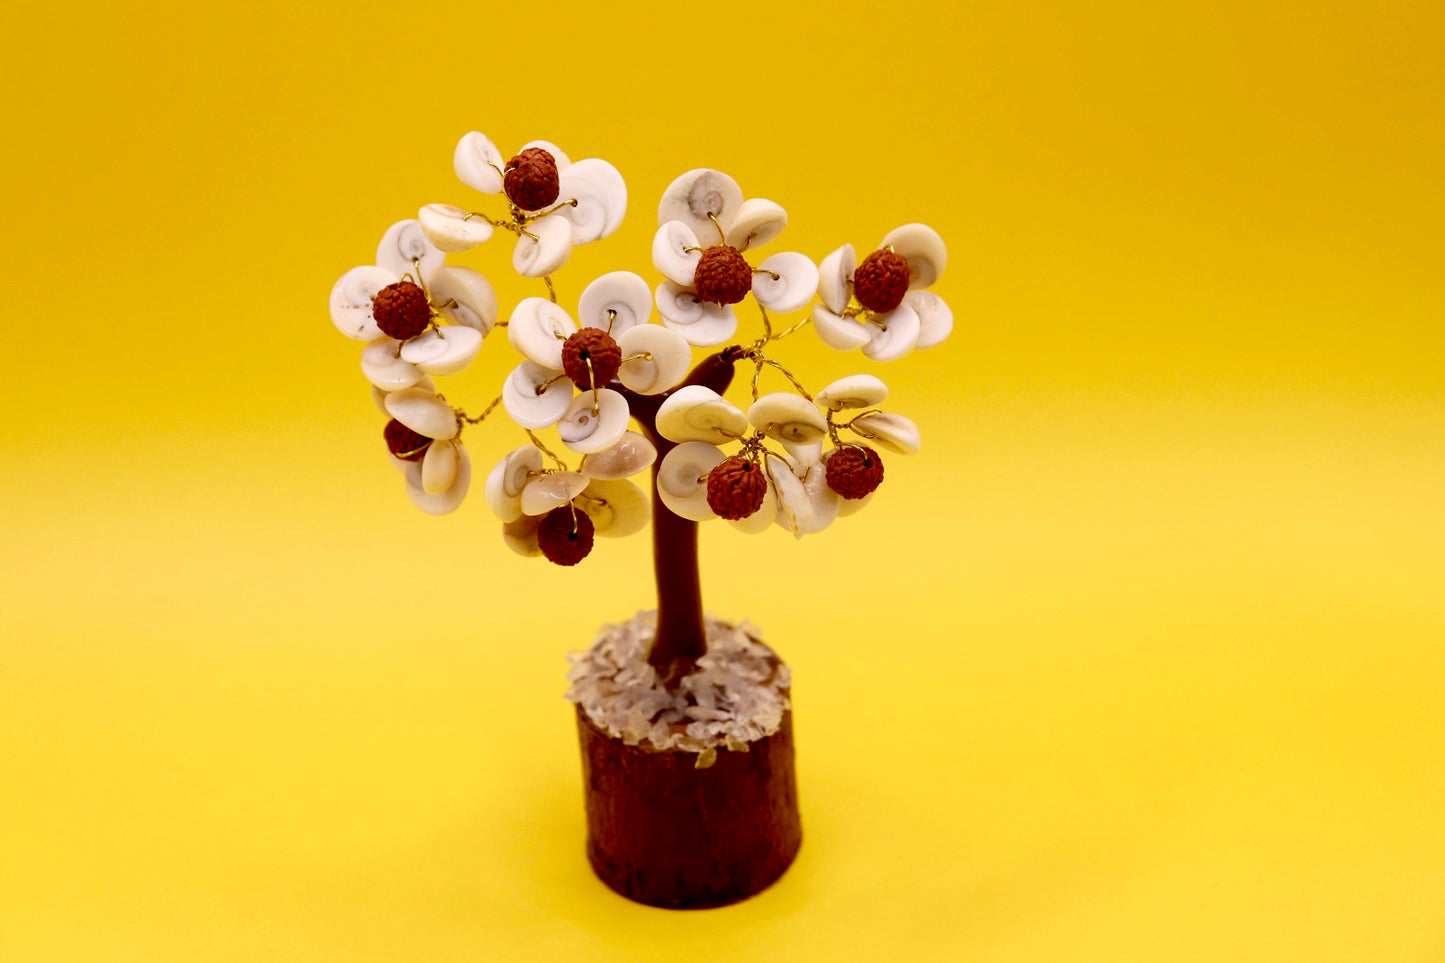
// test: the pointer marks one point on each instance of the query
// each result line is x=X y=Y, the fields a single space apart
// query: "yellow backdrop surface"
x=1140 y=659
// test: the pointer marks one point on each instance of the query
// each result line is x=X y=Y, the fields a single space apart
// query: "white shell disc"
x=842 y=333
x=615 y=302
x=351 y=298
x=379 y=395
x=535 y=259
x=697 y=413
x=757 y=222
x=854 y=391
x=505 y=482
x=520 y=534
x=439 y=466
x=630 y=455
x=670 y=254
x=538 y=329
x=923 y=249
x=473 y=162
x=617 y=507
x=825 y=502
x=794 y=507
x=594 y=425
x=445 y=502
x=450 y=229
x=561 y=159
x=405 y=243
x=552 y=490
x=691 y=197
x=681 y=479
x=476 y=301
x=891 y=431
x=601 y=196
x=895 y=334
x=528 y=403
x=804 y=455
x=443 y=351
x=935 y=317
x=671 y=356
x=423 y=412
x=835 y=278
x=701 y=324
x=794 y=287
x=784 y=416
x=384 y=369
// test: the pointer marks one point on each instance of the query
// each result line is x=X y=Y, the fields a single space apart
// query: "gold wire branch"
x=759 y=359
x=797 y=327
x=541 y=214
x=856 y=430
x=537 y=442
x=551 y=291
x=767 y=323
x=480 y=418
x=541 y=388
x=722 y=235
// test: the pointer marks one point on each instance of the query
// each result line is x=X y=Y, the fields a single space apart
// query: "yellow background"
x=1141 y=659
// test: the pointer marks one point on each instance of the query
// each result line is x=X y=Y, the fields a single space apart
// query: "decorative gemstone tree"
x=672 y=821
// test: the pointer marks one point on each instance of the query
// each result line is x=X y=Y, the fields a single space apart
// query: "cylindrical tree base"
x=662 y=832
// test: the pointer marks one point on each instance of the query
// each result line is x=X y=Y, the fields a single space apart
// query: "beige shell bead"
x=788 y=417
x=422 y=411
x=681 y=478
x=451 y=229
x=617 y=507
x=443 y=351
x=691 y=197
x=549 y=491
x=525 y=406
x=382 y=367
x=854 y=391
x=654 y=358
x=439 y=466
x=444 y=502
x=594 y=421
x=601 y=196
x=756 y=222
x=894 y=432
x=923 y=249
x=697 y=413
x=838 y=332
x=538 y=328
x=548 y=252
x=630 y=455
x=464 y=296
x=835 y=278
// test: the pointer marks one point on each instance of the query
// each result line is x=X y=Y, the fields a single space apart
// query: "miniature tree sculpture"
x=672 y=821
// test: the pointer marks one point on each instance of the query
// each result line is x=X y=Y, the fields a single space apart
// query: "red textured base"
x=664 y=833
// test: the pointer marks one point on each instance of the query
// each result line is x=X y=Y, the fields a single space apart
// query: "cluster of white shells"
x=738 y=694
x=700 y=209
x=401 y=373
x=592 y=197
x=798 y=497
x=923 y=320
x=705 y=207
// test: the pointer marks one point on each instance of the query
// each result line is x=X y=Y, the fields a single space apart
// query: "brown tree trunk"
x=681 y=636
